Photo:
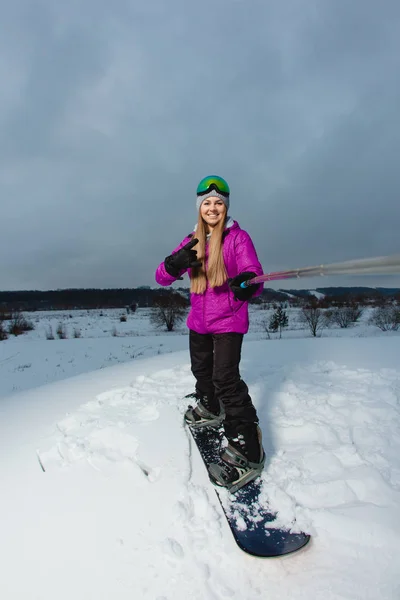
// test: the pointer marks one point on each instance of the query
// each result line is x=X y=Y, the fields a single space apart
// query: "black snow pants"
x=215 y=362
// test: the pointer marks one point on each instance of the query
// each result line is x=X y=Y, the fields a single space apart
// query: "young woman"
x=218 y=257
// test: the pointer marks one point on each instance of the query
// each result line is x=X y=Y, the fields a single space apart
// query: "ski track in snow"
x=329 y=455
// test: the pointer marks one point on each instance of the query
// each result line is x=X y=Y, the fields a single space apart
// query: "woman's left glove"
x=239 y=292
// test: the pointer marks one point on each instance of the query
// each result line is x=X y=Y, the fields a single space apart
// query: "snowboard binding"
x=201 y=416
x=235 y=471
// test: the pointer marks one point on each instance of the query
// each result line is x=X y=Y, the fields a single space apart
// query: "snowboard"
x=250 y=523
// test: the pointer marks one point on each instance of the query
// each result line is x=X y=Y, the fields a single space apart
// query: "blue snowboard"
x=248 y=522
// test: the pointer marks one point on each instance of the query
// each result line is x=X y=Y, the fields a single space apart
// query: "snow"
x=318 y=295
x=104 y=496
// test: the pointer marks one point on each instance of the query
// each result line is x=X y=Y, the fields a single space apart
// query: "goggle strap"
x=213 y=186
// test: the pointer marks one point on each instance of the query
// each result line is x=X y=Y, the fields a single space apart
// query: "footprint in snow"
x=129 y=402
x=173 y=549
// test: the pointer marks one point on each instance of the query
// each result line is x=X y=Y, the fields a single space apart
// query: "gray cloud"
x=109 y=116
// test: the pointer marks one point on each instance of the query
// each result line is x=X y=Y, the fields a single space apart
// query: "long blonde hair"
x=216 y=272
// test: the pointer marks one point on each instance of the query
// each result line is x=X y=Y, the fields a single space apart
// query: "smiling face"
x=213 y=211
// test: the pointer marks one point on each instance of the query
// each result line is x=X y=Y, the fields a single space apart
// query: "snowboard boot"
x=242 y=460
x=203 y=415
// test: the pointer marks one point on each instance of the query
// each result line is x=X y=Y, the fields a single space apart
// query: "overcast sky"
x=111 y=112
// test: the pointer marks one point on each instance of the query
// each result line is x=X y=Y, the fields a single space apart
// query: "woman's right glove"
x=183 y=259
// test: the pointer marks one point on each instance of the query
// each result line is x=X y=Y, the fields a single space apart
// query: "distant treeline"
x=355 y=295
x=361 y=292
x=69 y=299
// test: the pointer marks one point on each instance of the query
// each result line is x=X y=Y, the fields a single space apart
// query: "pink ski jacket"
x=217 y=310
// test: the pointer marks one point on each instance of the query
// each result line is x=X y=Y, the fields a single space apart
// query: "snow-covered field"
x=31 y=360
x=103 y=495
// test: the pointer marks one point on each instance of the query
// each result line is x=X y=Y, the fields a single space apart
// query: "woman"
x=218 y=257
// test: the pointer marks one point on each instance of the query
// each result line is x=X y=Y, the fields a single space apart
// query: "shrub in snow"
x=49 y=333
x=387 y=318
x=265 y=325
x=19 y=325
x=61 y=331
x=3 y=332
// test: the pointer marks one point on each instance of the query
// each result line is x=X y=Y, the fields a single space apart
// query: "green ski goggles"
x=213 y=182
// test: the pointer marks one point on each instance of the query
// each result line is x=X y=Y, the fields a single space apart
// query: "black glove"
x=239 y=292
x=183 y=259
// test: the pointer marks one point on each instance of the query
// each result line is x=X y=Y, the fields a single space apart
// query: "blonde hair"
x=215 y=274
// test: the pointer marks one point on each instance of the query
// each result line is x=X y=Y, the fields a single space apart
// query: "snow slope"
x=103 y=495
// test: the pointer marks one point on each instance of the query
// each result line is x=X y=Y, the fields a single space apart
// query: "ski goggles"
x=213 y=182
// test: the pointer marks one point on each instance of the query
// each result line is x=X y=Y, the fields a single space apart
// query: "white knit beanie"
x=212 y=194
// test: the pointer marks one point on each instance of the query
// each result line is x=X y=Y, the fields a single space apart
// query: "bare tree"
x=345 y=316
x=356 y=311
x=314 y=317
x=387 y=318
x=168 y=310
